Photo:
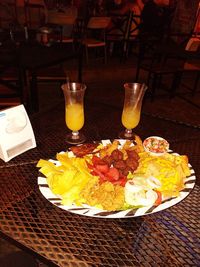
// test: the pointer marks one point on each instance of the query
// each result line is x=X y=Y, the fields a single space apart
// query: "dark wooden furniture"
x=162 y=59
x=10 y=76
x=35 y=14
x=28 y=57
x=191 y=67
x=60 y=238
x=8 y=13
x=95 y=35
x=34 y=57
x=117 y=34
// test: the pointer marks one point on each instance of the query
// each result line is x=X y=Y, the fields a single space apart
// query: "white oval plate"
x=94 y=212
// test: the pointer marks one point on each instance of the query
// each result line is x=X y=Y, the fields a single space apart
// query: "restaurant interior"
x=123 y=51
x=44 y=44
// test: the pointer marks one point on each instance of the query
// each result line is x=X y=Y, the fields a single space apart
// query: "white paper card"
x=16 y=133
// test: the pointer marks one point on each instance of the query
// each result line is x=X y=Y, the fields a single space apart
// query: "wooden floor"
x=105 y=84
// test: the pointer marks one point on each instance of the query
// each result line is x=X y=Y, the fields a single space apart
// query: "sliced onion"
x=151 y=195
x=136 y=195
x=149 y=200
x=131 y=187
x=153 y=182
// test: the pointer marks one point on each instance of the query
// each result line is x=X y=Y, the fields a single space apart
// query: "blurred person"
x=197 y=24
x=115 y=6
x=183 y=21
x=38 y=15
x=101 y=8
x=82 y=8
x=97 y=8
x=135 y=6
x=154 y=17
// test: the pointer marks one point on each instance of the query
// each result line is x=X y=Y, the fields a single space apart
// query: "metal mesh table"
x=167 y=238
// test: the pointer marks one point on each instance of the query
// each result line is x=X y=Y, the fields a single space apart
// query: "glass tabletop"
x=65 y=239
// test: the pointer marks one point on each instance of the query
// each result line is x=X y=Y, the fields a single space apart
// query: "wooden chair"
x=8 y=13
x=56 y=22
x=11 y=88
x=191 y=65
x=193 y=44
x=63 y=24
x=35 y=14
x=95 y=35
x=132 y=33
x=117 y=33
x=159 y=59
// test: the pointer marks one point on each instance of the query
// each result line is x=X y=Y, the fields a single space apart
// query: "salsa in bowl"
x=156 y=145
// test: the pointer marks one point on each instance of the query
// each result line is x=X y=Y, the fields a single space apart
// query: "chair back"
x=133 y=26
x=66 y=23
x=60 y=18
x=98 y=22
x=8 y=13
x=193 y=44
x=118 y=27
x=35 y=14
x=197 y=24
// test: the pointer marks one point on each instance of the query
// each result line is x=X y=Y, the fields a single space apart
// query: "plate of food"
x=115 y=179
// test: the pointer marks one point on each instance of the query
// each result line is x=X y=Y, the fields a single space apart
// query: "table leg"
x=34 y=92
x=175 y=83
x=80 y=64
x=25 y=88
x=196 y=83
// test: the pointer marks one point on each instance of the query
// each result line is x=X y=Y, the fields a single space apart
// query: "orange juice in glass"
x=134 y=93
x=74 y=111
x=74 y=116
x=130 y=117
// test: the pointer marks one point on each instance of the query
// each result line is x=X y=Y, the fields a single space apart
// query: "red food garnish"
x=96 y=160
x=114 y=168
x=100 y=168
x=82 y=150
x=104 y=168
x=122 y=181
x=159 y=198
x=112 y=174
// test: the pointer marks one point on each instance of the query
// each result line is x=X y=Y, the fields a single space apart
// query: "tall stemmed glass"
x=74 y=111
x=134 y=93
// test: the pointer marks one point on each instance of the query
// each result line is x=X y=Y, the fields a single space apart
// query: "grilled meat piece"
x=84 y=149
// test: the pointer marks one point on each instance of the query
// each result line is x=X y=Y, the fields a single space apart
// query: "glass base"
x=75 y=138
x=127 y=134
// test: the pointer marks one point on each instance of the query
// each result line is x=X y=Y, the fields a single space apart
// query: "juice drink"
x=130 y=117
x=74 y=116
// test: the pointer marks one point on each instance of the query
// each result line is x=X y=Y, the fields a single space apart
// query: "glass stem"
x=75 y=135
x=128 y=133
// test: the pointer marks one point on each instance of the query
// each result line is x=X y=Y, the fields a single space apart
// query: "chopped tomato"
x=159 y=198
x=113 y=174
x=106 y=173
x=121 y=181
x=102 y=167
x=96 y=160
x=98 y=173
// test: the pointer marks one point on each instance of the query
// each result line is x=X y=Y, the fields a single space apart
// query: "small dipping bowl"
x=156 y=146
